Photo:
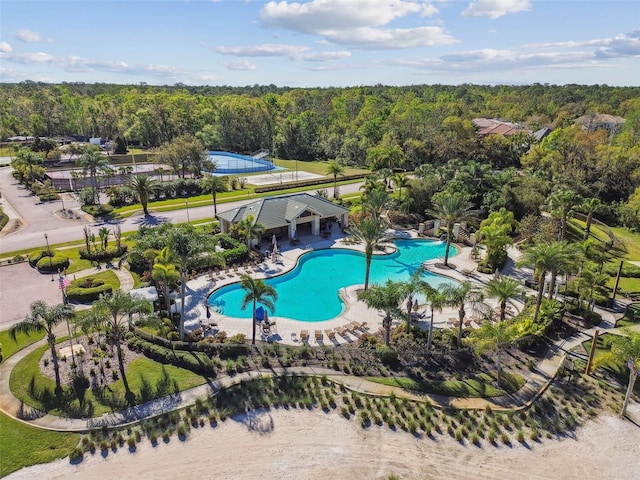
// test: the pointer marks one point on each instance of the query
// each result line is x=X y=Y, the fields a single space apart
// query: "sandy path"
x=292 y=444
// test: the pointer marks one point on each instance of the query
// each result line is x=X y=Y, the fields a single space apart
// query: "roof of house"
x=600 y=118
x=501 y=129
x=273 y=212
x=542 y=133
x=492 y=126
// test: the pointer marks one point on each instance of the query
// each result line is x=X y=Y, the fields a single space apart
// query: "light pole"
x=62 y=200
x=46 y=239
x=187 y=203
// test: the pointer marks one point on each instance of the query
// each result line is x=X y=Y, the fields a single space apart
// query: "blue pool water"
x=309 y=292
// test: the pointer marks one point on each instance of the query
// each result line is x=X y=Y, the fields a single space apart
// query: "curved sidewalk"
x=535 y=385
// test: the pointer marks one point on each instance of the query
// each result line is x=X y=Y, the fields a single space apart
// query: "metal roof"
x=273 y=212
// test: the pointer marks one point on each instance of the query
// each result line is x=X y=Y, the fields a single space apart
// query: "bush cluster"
x=52 y=264
x=87 y=290
x=96 y=211
x=195 y=361
x=103 y=255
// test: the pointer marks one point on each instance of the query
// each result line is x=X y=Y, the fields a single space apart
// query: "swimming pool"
x=310 y=292
x=229 y=163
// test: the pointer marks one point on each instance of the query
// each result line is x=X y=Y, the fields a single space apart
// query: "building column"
x=315 y=227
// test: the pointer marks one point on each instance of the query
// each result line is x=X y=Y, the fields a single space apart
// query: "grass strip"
x=480 y=386
x=22 y=445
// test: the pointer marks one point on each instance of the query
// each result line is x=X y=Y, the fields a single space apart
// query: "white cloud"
x=77 y=64
x=27 y=58
x=495 y=8
x=384 y=39
x=488 y=60
x=30 y=36
x=357 y=23
x=318 y=16
x=264 y=50
x=292 y=52
x=5 y=47
x=238 y=65
x=623 y=45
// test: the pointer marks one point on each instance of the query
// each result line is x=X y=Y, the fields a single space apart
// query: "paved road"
x=40 y=218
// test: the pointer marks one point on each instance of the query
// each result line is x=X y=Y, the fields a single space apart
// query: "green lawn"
x=477 y=386
x=631 y=242
x=618 y=369
x=9 y=346
x=26 y=376
x=22 y=445
x=108 y=277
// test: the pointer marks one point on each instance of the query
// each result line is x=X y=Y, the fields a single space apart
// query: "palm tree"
x=410 y=289
x=545 y=258
x=185 y=243
x=387 y=298
x=114 y=313
x=143 y=185
x=91 y=162
x=437 y=299
x=563 y=201
x=257 y=292
x=248 y=229
x=44 y=318
x=494 y=337
x=371 y=183
x=214 y=184
x=451 y=207
x=400 y=180
x=591 y=206
x=27 y=157
x=103 y=234
x=625 y=349
x=165 y=275
x=376 y=202
x=335 y=169
x=459 y=296
x=372 y=234
x=588 y=283
x=502 y=288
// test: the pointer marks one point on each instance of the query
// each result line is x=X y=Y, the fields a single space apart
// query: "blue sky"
x=309 y=43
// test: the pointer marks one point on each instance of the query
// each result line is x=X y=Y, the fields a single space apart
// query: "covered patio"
x=288 y=216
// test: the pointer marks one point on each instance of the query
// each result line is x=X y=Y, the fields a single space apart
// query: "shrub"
x=103 y=255
x=95 y=211
x=87 y=290
x=52 y=264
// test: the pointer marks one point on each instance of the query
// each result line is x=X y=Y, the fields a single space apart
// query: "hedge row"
x=195 y=361
x=4 y=219
x=103 y=255
x=304 y=183
x=222 y=350
x=76 y=293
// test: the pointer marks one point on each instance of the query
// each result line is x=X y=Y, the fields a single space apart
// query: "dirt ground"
x=281 y=444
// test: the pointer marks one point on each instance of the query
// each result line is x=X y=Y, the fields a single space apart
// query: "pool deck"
x=287 y=331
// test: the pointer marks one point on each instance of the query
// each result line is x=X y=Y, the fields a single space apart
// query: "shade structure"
x=260 y=314
x=145 y=293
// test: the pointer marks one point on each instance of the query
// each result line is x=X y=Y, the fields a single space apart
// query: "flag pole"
x=63 y=286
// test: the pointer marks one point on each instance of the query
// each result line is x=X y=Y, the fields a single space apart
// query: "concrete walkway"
x=536 y=384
